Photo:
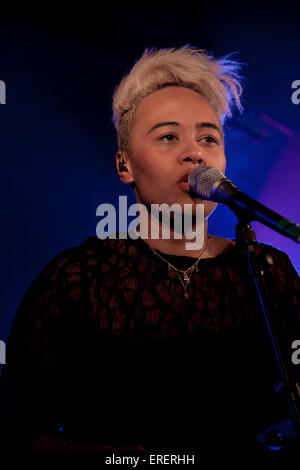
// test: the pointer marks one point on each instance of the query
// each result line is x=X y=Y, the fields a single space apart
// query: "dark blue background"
x=58 y=144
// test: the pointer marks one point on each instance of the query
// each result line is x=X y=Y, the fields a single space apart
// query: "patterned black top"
x=105 y=344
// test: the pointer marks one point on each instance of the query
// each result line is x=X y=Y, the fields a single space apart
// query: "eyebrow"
x=199 y=125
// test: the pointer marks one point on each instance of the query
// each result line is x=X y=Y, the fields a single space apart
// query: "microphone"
x=211 y=184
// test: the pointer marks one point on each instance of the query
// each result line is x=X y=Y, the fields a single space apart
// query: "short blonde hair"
x=217 y=80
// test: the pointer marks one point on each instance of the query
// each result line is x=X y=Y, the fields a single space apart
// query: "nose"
x=194 y=157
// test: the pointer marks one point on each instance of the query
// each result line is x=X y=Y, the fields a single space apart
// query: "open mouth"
x=184 y=178
x=183 y=183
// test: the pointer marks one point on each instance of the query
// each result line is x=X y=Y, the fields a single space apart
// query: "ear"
x=125 y=176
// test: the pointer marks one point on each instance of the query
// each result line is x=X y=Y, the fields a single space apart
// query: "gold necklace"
x=184 y=276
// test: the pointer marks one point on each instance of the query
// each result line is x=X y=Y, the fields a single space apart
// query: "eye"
x=209 y=139
x=168 y=137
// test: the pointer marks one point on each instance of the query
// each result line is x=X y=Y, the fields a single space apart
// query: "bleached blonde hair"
x=218 y=80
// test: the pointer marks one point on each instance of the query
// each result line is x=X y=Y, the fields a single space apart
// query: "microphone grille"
x=202 y=179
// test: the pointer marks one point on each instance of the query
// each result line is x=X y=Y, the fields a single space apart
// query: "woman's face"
x=175 y=129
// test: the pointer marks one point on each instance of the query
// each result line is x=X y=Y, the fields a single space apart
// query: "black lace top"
x=105 y=344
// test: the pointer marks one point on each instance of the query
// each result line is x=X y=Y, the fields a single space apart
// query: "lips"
x=184 y=178
x=183 y=182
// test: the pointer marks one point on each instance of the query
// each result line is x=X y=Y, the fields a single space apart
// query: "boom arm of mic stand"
x=245 y=236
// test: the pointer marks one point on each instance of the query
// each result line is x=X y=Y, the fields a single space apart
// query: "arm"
x=284 y=288
x=32 y=380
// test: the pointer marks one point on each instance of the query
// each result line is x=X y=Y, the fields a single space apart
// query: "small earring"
x=122 y=165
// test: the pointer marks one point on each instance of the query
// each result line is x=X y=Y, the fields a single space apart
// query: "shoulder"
x=91 y=246
x=281 y=265
x=103 y=248
x=279 y=256
x=61 y=283
x=222 y=245
x=92 y=250
x=278 y=268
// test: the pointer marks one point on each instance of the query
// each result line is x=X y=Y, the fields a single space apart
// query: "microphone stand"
x=246 y=238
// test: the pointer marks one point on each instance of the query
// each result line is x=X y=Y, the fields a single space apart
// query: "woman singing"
x=139 y=341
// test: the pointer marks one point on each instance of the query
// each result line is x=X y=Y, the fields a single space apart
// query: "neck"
x=191 y=241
